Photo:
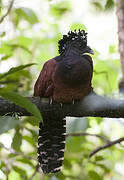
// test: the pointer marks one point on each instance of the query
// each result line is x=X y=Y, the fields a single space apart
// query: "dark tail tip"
x=51 y=145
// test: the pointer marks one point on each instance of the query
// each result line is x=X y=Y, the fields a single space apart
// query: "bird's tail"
x=51 y=144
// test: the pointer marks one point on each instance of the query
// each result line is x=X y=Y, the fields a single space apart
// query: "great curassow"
x=64 y=79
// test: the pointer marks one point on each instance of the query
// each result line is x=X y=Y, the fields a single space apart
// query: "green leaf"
x=94 y=176
x=22 y=102
x=15 y=69
x=73 y=141
x=24 y=41
x=2 y=34
x=112 y=49
x=21 y=171
x=6 y=49
x=25 y=161
x=7 y=123
x=32 y=120
x=99 y=158
x=78 y=26
x=2 y=164
x=97 y=5
x=14 y=46
x=105 y=168
x=109 y=5
x=29 y=140
x=6 y=57
x=27 y=14
x=60 y=8
x=17 y=141
x=14 y=175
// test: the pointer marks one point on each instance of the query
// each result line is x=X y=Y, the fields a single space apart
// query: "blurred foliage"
x=77 y=26
x=34 y=40
x=59 y=9
x=26 y=14
x=103 y=5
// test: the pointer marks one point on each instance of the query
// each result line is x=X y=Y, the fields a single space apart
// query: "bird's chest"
x=66 y=94
x=69 y=87
x=72 y=79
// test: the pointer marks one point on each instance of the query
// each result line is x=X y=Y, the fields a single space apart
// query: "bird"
x=65 y=78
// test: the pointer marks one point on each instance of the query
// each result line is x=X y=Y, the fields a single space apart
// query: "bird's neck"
x=71 y=51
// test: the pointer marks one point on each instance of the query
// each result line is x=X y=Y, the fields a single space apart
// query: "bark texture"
x=92 y=105
x=120 y=18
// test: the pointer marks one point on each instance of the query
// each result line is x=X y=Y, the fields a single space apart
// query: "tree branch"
x=92 y=105
x=35 y=172
x=120 y=20
x=17 y=153
x=8 y=11
x=103 y=138
x=107 y=145
x=7 y=170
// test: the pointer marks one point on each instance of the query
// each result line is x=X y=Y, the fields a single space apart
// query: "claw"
x=73 y=102
x=51 y=101
x=61 y=105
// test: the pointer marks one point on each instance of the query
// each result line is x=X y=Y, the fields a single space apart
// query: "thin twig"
x=107 y=145
x=17 y=153
x=7 y=170
x=89 y=134
x=35 y=172
x=8 y=82
x=8 y=11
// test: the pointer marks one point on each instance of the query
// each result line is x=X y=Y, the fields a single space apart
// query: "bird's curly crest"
x=72 y=36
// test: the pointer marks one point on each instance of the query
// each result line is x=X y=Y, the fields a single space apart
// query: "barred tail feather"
x=51 y=145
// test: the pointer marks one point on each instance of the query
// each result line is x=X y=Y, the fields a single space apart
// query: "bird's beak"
x=89 y=50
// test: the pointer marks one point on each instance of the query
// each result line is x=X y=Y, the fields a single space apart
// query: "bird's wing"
x=44 y=84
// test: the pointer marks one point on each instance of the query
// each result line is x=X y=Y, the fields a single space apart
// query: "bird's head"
x=75 y=40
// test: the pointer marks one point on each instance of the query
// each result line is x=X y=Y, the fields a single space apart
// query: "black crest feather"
x=72 y=36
